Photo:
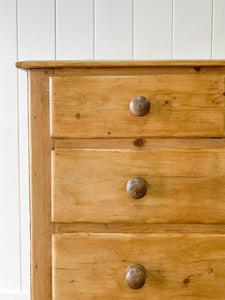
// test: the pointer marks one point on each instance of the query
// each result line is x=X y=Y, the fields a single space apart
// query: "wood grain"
x=40 y=146
x=183 y=185
x=138 y=228
x=117 y=63
x=176 y=231
x=93 y=266
x=182 y=105
x=140 y=70
x=140 y=143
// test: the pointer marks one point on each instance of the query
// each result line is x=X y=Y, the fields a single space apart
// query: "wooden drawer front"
x=183 y=186
x=178 y=266
x=182 y=105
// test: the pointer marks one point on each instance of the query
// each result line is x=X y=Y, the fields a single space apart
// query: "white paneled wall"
x=192 y=31
x=10 y=230
x=74 y=27
x=153 y=27
x=218 y=28
x=79 y=29
x=113 y=29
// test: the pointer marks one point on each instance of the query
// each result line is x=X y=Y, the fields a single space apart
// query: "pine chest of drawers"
x=127 y=179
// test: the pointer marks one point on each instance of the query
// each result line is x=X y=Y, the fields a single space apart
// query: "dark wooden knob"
x=140 y=106
x=136 y=187
x=135 y=276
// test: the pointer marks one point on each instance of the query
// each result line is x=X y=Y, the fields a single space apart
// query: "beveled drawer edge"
x=141 y=143
x=116 y=63
x=139 y=228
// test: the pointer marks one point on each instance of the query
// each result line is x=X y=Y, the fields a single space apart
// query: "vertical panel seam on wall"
x=18 y=147
x=93 y=4
x=172 y=31
x=133 y=24
x=55 y=27
x=212 y=28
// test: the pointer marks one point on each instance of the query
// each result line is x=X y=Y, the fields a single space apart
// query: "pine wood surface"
x=178 y=266
x=40 y=145
x=183 y=185
x=138 y=228
x=139 y=143
x=182 y=105
x=117 y=63
x=139 y=70
x=181 y=244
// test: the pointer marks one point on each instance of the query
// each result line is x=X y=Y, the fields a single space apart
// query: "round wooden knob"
x=136 y=187
x=135 y=276
x=140 y=106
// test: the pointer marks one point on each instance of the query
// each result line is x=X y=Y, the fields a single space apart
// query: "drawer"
x=138 y=186
x=174 y=266
x=179 y=105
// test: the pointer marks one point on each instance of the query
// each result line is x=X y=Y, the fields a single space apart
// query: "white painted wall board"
x=9 y=182
x=218 y=37
x=24 y=181
x=113 y=29
x=36 y=29
x=192 y=29
x=12 y=295
x=153 y=29
x=74 y=29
